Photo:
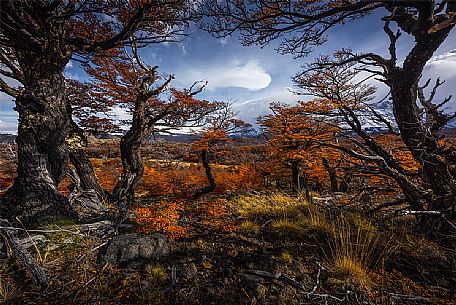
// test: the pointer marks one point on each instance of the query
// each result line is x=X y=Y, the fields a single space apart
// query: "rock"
x=134 y=248
x=254 y=286
x=189 y=271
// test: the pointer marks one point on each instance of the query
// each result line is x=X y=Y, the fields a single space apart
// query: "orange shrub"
x=216 y=216
x=163 y=218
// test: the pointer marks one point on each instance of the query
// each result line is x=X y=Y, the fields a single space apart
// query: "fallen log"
x=19 y=253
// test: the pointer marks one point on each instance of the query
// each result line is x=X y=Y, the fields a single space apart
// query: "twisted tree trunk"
x=42 y=154
x=204 y=155
x=77 y=145
x=132 y=165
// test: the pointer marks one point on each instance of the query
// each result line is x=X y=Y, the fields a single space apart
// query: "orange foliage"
x=216 y=216
x=163 y=218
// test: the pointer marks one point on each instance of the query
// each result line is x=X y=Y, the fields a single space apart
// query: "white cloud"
x=250 y=75
x=119 y=114
x=249 y=110
x=8 y=127
x=444 y=58
x=443 y=66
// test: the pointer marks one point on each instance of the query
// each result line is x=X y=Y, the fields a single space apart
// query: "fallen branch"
x=396 y=202
x=409 y=297
x=20 y=254
x=297 y=285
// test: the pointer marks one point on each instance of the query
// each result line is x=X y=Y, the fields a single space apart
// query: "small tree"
x=213 y=137
x=296 y=137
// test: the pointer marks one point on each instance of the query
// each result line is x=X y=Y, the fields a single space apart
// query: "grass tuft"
x=287 y=226
x=156 y=273
x=249 y=227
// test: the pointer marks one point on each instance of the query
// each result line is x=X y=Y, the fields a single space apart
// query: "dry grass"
x=355 y=249
x=156 y=273
x=287 y=226
x=287 y=257
x=269 y=206
x=6 y=291
x=318 y=223
x=352 y=269
x=249 y=226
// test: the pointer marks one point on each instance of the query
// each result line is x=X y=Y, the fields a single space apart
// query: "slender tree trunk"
x=204 y=155
x=42 y=154
x=295 y=185
x=345 y=183
x=332 y=176
x=130 y=153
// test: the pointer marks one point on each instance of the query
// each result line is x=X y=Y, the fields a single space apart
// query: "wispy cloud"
x=249 y=75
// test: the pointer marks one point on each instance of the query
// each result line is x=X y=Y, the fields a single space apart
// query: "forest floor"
x=253 y=248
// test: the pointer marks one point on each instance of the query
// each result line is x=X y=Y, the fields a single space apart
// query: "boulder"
x=134 y=248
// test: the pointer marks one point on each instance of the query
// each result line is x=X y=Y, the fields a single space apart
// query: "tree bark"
x=42 y=154
x=132 y=165
x=332 y=176
x=204 y=155
x=21 y=255
x=77 y=145
x=130 y=153
x=421 y=142
x=295 y=183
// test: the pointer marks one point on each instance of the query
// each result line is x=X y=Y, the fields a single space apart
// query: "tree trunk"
x=345 y=183
x=77 y=144
x=295 y=185
x=204 y=154
x=21 y=255
x=421 y=142
x=332 y=176
x=87 y=196
x=132 y=166
x=42 y=154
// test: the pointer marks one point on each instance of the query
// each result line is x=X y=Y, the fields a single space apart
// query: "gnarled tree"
x=349 y=100
x=37 y=40
x=303 y=24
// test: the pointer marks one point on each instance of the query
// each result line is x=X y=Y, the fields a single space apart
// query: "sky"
x=251 y=77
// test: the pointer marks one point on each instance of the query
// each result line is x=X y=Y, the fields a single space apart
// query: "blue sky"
x=252 y=77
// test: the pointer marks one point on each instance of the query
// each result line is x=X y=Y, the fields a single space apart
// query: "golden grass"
x=356 y=248
x=268 y=206
x=287 y=257
x=155 y=273
x=352 y=271
x=249 y=226
x=287 y=226
x=318 y=222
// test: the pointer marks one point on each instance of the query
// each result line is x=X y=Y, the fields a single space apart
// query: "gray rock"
x=134 y=248
x=189 y=271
